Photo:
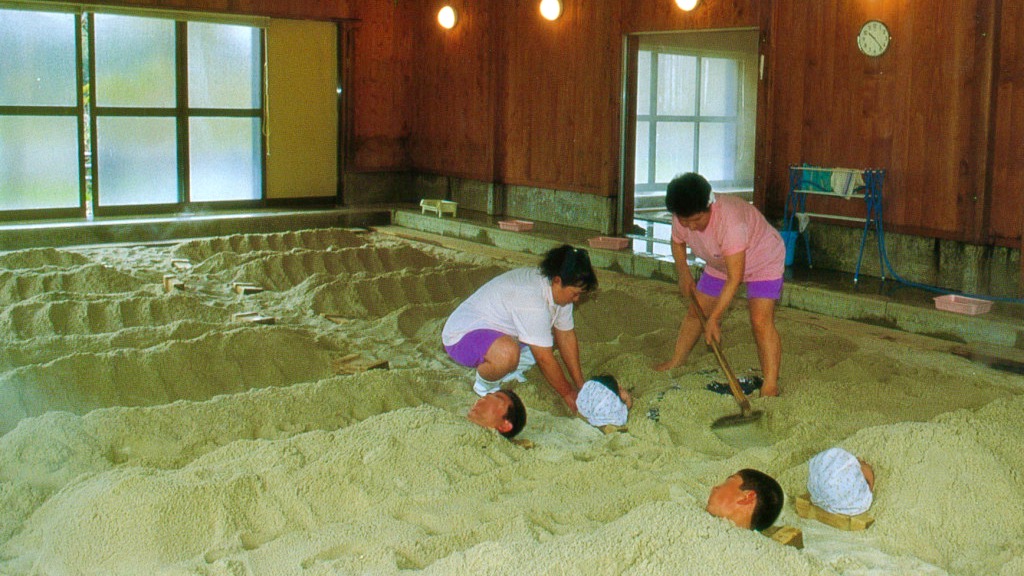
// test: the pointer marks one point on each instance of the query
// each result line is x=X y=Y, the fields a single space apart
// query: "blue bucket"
x=789 y=239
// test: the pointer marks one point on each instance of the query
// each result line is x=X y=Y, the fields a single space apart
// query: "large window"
x=111 y=113
x=687 y=119
x=695 y=111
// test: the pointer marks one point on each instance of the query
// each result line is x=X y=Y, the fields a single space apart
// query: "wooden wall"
x=921 y=111
x=307 y=10
x=511 y=98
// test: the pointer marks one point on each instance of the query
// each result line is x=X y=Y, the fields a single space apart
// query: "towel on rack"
x=816 y=178
x=846 y=181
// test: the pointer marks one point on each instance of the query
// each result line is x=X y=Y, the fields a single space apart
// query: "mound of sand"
x=153 y=432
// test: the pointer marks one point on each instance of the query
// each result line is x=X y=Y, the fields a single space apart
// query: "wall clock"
x=873 y=39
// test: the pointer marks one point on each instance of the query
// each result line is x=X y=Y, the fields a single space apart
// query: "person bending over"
x=520 y=318
x=501 y=410
x=749 y=498
x=739 y=247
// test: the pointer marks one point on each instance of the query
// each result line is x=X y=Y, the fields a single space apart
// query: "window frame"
x=653 y=118
x=88 y=113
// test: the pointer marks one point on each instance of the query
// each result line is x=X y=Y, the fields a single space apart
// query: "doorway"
x=691 y=106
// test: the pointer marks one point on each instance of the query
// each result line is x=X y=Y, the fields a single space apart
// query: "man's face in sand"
x=490 y=411
x=728 y=500
x=563 y=294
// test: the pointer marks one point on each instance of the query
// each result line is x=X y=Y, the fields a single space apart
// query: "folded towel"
x=837 y=483
x=600 y=405
x=845 y=181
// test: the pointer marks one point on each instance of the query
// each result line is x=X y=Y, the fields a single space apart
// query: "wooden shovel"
x=746 y=415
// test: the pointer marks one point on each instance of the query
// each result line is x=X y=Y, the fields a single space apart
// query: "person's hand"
x=570 y=400
x=712 y=332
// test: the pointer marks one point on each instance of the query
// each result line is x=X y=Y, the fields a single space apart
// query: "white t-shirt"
x=518 y=303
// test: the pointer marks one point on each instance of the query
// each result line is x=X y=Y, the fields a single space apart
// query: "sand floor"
x=150 y=432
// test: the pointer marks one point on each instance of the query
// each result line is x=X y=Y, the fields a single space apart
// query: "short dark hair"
x=608 y=381
x=688 y=195
x=769 y=497
x=570 y=264
x=516 y=414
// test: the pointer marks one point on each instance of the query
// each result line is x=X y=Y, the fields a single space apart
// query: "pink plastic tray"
x=608 y=242
x=962 y=304
x=515 y=225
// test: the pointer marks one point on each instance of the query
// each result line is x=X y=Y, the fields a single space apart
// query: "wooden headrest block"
x=788 y=535
x=805 y=509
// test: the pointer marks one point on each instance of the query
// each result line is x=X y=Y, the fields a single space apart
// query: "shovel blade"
x=737 y=419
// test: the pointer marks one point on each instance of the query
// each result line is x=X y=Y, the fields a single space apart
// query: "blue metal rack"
x=808 y=180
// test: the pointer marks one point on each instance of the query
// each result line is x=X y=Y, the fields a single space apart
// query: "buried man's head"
x=501 y=410
x=749 y=498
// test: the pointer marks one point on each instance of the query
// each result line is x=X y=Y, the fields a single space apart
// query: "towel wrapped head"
x=600 y=401
x=837 y=484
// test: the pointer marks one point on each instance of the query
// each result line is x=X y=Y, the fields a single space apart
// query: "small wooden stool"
x=438 y=206
x=171 y=283
x=245 y=288
x=788 y=535
x=254 y=317
x=805 y=509
x=355 y=363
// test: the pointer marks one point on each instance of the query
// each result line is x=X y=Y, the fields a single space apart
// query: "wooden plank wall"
x=1007 y=199
x=920 y=111
x=379 y=99
x=510 y=98
x=452 y=114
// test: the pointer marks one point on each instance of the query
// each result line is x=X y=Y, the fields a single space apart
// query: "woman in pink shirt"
x=740 y=247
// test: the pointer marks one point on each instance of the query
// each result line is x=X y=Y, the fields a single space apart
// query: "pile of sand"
x=150 y=432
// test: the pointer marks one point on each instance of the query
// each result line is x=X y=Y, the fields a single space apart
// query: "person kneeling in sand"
x=749 y=498
x=840 y=483
x=519 y=319
x=603 y=402
x=501 y=410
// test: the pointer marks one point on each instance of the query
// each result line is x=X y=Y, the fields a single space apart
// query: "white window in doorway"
x=689 y=119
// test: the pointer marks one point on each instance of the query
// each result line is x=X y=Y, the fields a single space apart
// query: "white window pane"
x=643 y=153
x=225 y=159
x=719 y=91
x=222 y=66
x=677 y=90
x=137 y=159
x=135 y=60
x=643 y=83
x=674 y=142
x=718 y=151
x=37 y=59
x=38 y=162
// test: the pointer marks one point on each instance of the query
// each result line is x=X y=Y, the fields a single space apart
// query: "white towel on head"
x=600 y=406
x=837 y=484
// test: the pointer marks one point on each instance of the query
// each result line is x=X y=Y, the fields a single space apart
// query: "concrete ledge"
x=872 y=309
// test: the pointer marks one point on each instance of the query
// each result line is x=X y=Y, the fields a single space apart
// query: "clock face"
x=873 y=39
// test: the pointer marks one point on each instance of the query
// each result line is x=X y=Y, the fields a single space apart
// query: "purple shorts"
x=770 y=289
x=470 y=350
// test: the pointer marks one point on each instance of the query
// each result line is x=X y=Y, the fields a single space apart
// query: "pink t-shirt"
x=736 y=225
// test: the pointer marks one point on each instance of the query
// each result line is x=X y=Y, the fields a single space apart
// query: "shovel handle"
x=734 y=384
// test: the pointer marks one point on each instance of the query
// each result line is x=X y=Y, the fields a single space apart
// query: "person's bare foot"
x=769 y=391
x=665 y=366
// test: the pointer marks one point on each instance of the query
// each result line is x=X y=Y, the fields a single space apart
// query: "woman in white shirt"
x=518 y=319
